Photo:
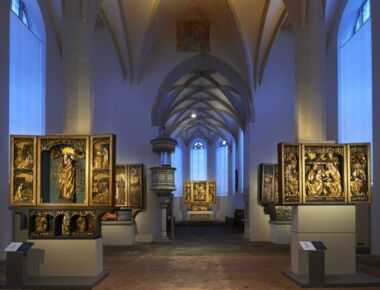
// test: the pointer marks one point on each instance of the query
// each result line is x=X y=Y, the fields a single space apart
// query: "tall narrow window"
x=222 y=168
x=355 y=79
x=198 y=161
x=177 y=163
x=26 y=80
x=241 y=161
x=18 y=7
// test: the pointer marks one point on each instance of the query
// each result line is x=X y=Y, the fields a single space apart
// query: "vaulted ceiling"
x=242 y=33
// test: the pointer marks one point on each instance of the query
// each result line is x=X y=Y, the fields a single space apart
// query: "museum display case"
x=62 y=184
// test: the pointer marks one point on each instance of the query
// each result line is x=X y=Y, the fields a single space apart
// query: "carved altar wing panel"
x=290 y=181
x=129 y=185
x=102 y=162
x=23 y=186
x=121 y=185
x=359 y=173
x=324 y=173
x=63 y=164
x=267 y=181
x=135 y=185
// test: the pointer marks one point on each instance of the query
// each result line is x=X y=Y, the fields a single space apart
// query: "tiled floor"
x=205 y=258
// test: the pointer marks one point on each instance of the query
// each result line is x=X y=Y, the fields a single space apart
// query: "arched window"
x=26 y=68
x=198 y=161
x=355 y=73
x=18 y=7
x=363 y=15
x=177 y=163
x=222 y=168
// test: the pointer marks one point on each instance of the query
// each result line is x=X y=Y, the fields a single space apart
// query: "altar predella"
x=64 y=184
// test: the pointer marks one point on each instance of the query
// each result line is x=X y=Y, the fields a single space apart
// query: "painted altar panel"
x=267 y=183
x=121 y=184
x=199 y=195
x=135 y=185
x=101 y=170
x=63 y=171
x=324 y=173
x=359 y=173
x=129 y=185
x=23 y=170
x=290 y=181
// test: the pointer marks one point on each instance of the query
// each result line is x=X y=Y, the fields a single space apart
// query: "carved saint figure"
x=333 y=180
x=65 y=227
x=291 y=180
x=41 y=224
x=105 y=163
x=135 y=176
x=187 y=192
x=200 y=192
x=19 y=159
x=98 y=160
x=23 y=161
x=19 y=192
x=358 y=179
x=100 y=191
x=267 y=192
x=314 y=181
x=81 y=224
x=212 y=192
x=101 y=156
x=120 y=190
x=67 y=176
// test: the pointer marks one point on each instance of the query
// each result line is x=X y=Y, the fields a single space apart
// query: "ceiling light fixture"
x=193 y=115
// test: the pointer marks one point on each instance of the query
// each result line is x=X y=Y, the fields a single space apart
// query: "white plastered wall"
x=274 y=103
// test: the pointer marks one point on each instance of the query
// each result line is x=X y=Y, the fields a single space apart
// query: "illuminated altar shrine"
x=199 y=197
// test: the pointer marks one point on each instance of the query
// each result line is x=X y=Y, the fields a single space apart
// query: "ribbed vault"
x=203 y=96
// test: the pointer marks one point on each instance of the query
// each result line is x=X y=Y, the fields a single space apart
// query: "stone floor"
x=204 y=258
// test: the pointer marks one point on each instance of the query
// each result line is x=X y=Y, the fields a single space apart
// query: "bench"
x=237 y=220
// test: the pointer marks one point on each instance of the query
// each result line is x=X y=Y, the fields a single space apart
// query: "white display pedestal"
x=334 y=225
x=69 y=258
x=118 y=233
x=200 y=216
x=280 y=232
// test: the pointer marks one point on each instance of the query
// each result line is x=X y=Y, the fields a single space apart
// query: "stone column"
x=5 y=214
x=164 y=203
x=77 y=51
x=307 y=19
x=375 y=206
